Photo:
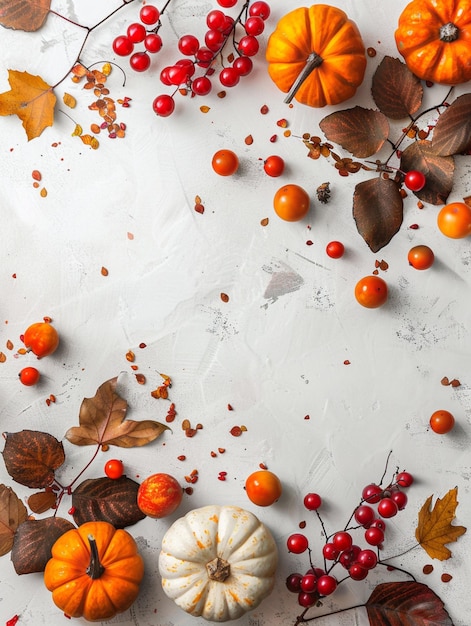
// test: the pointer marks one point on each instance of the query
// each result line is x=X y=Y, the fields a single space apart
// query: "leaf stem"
x=301 y=619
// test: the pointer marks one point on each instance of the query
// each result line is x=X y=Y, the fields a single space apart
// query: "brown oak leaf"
x=27 y=15
x=377 y=211
x=12 y=513
x=31 y=99
x=452 y=132
x=31 y=457
x=102 y=421
x=438 y=171
x=360 y=131
x=435 y=528
x=406 y=604
x=33 y=542
x=395 y=89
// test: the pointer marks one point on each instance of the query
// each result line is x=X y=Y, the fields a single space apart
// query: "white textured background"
x=275 y=351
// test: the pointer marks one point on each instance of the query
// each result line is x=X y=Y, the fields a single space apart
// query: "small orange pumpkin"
x=316 y=55
x=434 y=37
x=95 y=571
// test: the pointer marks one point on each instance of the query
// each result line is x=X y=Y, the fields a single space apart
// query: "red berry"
x=372 y=493
x=297 y=543
x=274 y=166
x=243 y=65
x=214 y=40
x=114 y=469
x=342 y=540
x=308 y=583
x=188 y=45
x=387 y=507
x=378 y=523
x=229 y=77
x=140 y=61
x=400 y=499
x=123 y=46
x=374 y=536
x=404 y=479
x=216 y=20
x=312 y=501
x=335 y=249
x=307 y=599
x=201 y=86
x=254 y=25
x=29 y=376
x=153 y=42
x=227 y=4
x=364 y=515
x=357 y=571
x=326 y=585
x=136 y=32
x=367 y=558
x=248 y=45
x=149 y=14
x=260 y=8
x=330 y=552
x=414 y=180
x=163 y=105
x=204 y=56
x=293 y=583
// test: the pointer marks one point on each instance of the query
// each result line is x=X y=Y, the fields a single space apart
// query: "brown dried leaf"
x=102 y=421
x=69 y=100
x=435 y=528
x=406 y=604
x=27 y=15
x=12 y=513
x=91 y=141
x=360 y=131
x=31 y=99
x=104 y=499
x=438 y=171
x=452 y=132
x=396 y=91
x=378 y=211
x=42 y=501
x=32 y=456
x=33 y=542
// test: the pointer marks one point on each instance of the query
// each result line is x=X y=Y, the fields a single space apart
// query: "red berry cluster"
x=220 y=28
x=368 y=518
x=137 y=33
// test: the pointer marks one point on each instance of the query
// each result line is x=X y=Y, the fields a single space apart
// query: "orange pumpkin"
x=95 y=571
x=434 y=37
x=316 y=55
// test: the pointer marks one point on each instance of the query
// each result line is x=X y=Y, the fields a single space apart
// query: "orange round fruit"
x=225 y=162
x=263 y=487
x=41 y=338
x=441 y=422
x=159 y=495
x=454 y=220
x=371 y=291
x=291 y=203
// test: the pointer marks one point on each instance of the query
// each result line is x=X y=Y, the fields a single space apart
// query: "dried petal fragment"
x=130 y=356
x=104 y=271
x=205 y=109
x=224 y=297
x=69 y=100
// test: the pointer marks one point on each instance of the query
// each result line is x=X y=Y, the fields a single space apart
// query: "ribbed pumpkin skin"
x=333 y=36
x=75 y=592
x=418 y=40
x=228 y=532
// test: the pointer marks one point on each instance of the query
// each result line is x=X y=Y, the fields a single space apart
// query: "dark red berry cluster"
x=220 y=28
x=366 y=525
x=137 y=33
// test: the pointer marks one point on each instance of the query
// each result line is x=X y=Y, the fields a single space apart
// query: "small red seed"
x=182 y=457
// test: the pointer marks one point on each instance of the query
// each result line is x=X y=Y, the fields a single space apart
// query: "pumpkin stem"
x=95 y=569
x=218 y=569
x=449 y=32
x=312 y=61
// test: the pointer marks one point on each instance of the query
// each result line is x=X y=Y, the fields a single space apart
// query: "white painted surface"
x=275 y=351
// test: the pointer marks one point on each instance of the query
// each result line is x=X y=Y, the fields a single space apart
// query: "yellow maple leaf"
x=31 y=99
x=435 y=527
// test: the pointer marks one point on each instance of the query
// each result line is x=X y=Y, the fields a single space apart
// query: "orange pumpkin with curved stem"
x=316 y=55
x=434 y=37
x=95 y=571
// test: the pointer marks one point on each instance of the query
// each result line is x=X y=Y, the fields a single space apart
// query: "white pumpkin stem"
x=218 y=569
x=95 y=569
x=312 y=61
x=449 y=32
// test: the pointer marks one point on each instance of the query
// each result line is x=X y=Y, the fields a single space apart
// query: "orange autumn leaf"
x=31 y=99
x=27 y=15
x=435 y=528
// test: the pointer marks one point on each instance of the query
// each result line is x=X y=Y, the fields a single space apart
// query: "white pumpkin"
x=218 y=562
